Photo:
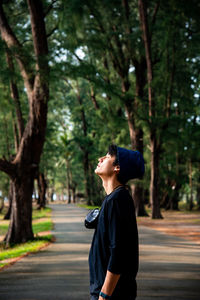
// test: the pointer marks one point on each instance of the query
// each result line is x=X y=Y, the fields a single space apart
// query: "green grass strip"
x=88 y=206
x=43 y=213
x=3 y=229
x=42 y=226
x=38 y=227
x=21 y=249
x=31 y=246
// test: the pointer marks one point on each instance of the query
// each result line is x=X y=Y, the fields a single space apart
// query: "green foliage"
x=93 y=50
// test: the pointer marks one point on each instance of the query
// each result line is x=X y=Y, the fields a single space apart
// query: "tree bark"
x=20 y=228
x=15 y=95
x=136 y=136
x=68 y=182
x=10 y=197
x=93 y=97
x=88 y=193
x=2 y=204
x=23 y=168
x=85 y=152
x=15 y=134
x=154 y=191
x=155 y=155
x=198 y=189
x=198 y=197
x=177 y=185
x=191 y=204
x=7 y=136
x=42 y=187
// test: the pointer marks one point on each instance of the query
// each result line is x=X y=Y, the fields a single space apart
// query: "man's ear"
x=117 y=169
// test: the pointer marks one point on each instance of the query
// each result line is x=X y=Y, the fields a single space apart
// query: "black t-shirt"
x=115 y=245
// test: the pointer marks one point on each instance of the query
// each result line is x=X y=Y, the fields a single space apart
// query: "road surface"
x=169 y=266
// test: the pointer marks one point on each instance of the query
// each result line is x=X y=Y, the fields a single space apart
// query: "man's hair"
x=112 y=150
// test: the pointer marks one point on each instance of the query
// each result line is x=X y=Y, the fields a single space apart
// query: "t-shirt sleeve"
x=117 y=235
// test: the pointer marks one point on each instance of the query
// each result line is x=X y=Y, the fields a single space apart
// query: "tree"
x=154 y=146
x=23 y=167
x=110 y=48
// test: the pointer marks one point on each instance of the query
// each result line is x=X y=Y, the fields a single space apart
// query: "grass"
x=41 y=223
x=43 y=213
x=21 y=249
x=88 y=206
x=42 y=226
x=38 y=227
x=3 y=229
x=2 y=213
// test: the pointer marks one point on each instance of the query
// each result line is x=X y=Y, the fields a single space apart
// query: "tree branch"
x=52 y=31
x=49 y=8
x=12 y=42
x=78 y=58
x=38 y=28
x=15 y=95
x=7 y=167
x=145 y=34
x=154 y=17
x=40 y=43
x=112 y=52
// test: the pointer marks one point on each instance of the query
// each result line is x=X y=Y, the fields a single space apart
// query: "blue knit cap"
x=131 y=164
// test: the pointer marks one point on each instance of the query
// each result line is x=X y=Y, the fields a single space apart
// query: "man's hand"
x=109 y=284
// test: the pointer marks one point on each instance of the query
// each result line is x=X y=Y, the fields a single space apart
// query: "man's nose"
x=100 y=159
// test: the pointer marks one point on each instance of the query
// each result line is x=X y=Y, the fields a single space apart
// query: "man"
x=113 y=258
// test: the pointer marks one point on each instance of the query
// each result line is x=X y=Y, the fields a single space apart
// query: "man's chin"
x=97 y=171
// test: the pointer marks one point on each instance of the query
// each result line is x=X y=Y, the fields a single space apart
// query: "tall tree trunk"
x=20 y=228
x=15 y=134
x=18 y=129
x=68 y=182
x=177 y=186
x=198 y=196
x=23 y=168
x=136 y=137
x=93 y=97
x=155 y=155
x=191 y=204
x=138 y=192
x=85 y=152
x=42 y=187
x=1 y=204
x=7 y=136
x=198 y=190
x=10 y=198
x=154 y=184
x=74 y=193
x=87 y=178
x=137 y=189
x=15 y=95
x=175 y=198
x=52 y=194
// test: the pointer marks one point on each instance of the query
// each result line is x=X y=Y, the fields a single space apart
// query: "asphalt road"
x=169 y=266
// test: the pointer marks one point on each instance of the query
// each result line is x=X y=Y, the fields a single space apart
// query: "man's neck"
x=110 y=185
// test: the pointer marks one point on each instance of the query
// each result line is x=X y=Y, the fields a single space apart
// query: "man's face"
x=105 y=166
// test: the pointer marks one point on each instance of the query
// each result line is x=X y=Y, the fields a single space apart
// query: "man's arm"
x=109 y=284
